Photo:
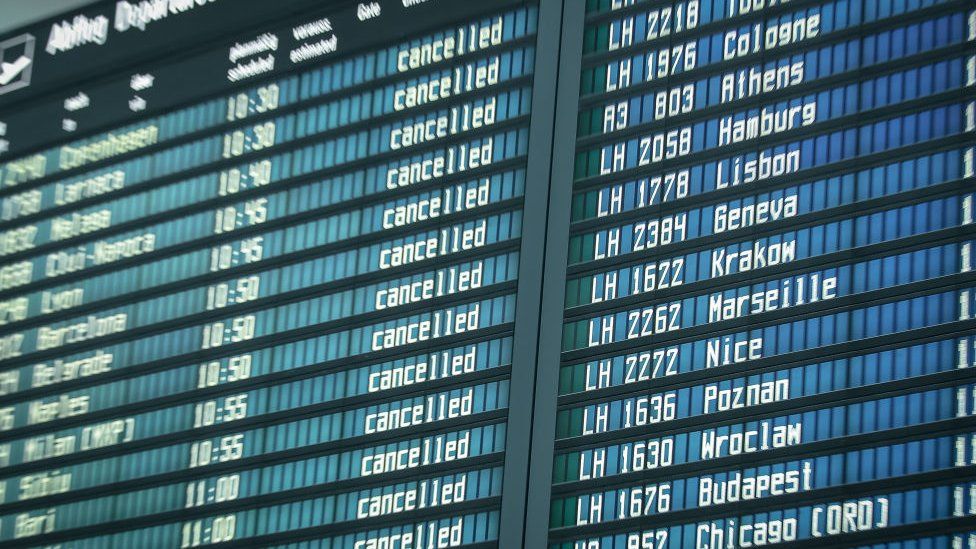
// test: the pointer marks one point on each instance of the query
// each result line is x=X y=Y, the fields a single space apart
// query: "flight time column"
x=428 y=187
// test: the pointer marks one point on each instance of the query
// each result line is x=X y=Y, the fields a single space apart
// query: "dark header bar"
x=110 y=35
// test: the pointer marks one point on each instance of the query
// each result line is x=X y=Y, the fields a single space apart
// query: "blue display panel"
x=296 y=297
x=767 y=332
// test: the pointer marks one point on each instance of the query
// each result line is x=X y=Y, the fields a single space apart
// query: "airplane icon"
x=16 y=63
x=9 y=71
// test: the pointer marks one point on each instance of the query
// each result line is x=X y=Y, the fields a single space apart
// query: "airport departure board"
x=415 y=274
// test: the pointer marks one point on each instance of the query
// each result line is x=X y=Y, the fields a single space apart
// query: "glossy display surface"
x=414 y=274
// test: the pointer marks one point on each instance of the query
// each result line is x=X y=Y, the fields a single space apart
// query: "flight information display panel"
x=417 y=274
x=268 y=293
x=766 y=336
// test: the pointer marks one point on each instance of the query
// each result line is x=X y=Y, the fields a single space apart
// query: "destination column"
x=769 y=260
